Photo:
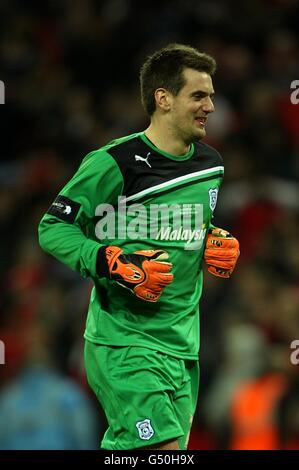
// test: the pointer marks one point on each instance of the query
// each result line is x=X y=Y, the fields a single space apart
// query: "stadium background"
x=70 y=70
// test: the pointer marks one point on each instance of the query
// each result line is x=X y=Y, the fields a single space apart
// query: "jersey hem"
x=144 y=443
x=95 y=340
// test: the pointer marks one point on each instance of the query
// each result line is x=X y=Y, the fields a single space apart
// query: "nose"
x=208 y=105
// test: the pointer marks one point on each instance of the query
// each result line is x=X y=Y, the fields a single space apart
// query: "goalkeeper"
x=142 y=329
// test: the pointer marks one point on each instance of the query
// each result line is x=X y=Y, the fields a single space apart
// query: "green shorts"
x=148 y=397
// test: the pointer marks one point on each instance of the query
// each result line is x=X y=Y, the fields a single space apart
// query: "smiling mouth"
x=201 y=121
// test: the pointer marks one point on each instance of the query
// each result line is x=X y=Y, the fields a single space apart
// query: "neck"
x=164 y=138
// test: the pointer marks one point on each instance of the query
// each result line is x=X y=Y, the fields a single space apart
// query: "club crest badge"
x=213 y=193
x=145 y=429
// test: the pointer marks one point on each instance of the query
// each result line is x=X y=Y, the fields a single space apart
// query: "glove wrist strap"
x=105 y=260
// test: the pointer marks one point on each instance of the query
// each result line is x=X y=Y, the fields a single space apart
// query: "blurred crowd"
x=70 y=70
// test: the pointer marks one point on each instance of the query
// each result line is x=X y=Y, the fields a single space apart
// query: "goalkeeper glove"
x=144 y=272
x=221 y=252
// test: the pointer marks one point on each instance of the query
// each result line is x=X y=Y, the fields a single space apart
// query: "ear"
x=163 y=99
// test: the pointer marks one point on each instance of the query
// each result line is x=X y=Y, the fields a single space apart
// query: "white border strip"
x=170 y=182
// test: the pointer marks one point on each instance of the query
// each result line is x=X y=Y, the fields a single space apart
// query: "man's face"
x=190 y=108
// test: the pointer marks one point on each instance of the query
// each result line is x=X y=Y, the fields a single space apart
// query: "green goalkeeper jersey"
x=133 y=195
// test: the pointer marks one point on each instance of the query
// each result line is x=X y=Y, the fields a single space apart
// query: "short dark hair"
x=165 y=69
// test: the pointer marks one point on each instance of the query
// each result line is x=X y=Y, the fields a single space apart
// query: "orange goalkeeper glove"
x=145 y=273
x=221 y=252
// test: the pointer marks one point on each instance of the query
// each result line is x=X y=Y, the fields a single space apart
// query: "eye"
x=199 y=96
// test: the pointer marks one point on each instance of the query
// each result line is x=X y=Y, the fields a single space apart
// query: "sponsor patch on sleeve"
x=65 y=209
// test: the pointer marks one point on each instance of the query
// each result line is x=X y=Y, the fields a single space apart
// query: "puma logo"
x=142 y=159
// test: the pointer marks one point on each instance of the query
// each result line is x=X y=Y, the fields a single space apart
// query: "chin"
x=200 y=134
